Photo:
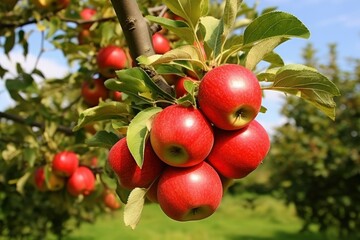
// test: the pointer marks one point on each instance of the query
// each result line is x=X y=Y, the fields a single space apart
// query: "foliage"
x=315 y=161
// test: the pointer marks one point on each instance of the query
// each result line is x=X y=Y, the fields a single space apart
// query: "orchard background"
x=311 y=172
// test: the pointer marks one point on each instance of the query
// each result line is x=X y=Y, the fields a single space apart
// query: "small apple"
x=109 y=59
x=116 y=96
x=110 y=199
x=160 y=43
x=179 y=86
x=181 y=136
x=65 y=163
x=151 y=194
x=87 y=14
x=237 y=153
x=94 y=90
x=192 y=193
x=82 y=181
x=84 y=36
x=130 y=175
x=54 y=182
x=230 y=96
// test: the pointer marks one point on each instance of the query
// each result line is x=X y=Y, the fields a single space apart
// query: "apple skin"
x=181 y=136
x=87 y=14
x=237 y=153
x=84 y=36
x=110 y=200
x=230 y=96
x=160 y=43
x=82 y=181
x=109 y=59
x=65 y=163
x=192 y=193
x=55 y=182
x=94 y=90
x=116 y=96
x=129 y=174
x=179 y=86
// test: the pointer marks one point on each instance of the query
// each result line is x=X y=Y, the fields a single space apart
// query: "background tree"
x=314 y=161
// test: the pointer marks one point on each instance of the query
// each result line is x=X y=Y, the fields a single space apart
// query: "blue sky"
x=329 y=21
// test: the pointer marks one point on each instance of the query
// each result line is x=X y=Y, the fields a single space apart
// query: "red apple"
x=230 y=96
x=179 y=86
x=110 y=200
x=84 y=36
x=116 y=96
x=130 y=175
x=237 y=153
x=54 y=183
x=94 y=90
x=82 y=181
x=87 y=14
x=152 y=192
x=160 y=43
x=192 y=193
x=109 y=59
x=181 y=136
x=65 y=163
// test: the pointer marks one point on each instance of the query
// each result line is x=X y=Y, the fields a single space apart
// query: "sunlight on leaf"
x=134 y=207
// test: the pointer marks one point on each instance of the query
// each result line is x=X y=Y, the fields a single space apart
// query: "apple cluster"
x=193 y=153
x=66 y=171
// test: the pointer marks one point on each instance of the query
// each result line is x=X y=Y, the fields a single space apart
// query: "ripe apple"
x=65 y=163
x=237 y=153
x=109 y=59
x=160 y=43
x=116 y=95
x=129 y=174
x=54 y=183
x=230 y=96
x=192 y=193
x=52 y=4
x=179 y=86
x=84 y=36
x=82 y=181
x=152 y=192
x=87 y=14
x=110 y=199
x=181 y=136
x=94 y=90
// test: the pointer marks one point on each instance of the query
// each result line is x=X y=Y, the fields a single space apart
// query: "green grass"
x=269 y=220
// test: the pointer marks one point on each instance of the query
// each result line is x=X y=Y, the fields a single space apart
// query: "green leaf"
x=134 y=207
x=274 y=59
x=103 y=139
x=122 y=193
x=9 y=42
x=274 y=24
x=180 y=28
x=213 y=38
x=20 y=183
x=259 y=50
x=186 y=52
x=137 y=133
x=308 y=84
x=230 y=13
x=105 y=111
x=190 y=10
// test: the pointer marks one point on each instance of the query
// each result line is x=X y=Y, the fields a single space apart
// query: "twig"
x=66 y=130
x=138 y=35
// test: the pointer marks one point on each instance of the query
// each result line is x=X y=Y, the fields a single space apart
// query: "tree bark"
x=138 y=35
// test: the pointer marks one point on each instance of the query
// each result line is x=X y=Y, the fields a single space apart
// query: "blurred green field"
x=269 y=219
